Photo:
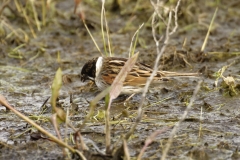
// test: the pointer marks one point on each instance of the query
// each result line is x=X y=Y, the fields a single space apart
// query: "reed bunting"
x=103 y=70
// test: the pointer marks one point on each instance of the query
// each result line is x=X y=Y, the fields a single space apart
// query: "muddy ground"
x=30 y=55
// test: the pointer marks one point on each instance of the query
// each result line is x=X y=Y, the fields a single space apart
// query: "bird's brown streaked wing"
x=144 y=71
x=134 y=81
x=140 y=73
x=136 y=77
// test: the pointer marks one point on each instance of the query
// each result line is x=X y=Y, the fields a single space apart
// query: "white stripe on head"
x=98 y=66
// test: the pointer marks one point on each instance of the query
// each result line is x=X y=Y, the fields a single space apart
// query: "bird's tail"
x=176 y=74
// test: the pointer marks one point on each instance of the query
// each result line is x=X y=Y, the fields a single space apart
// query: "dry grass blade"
x=56 y=86
x=44 y=5
x=82 y=17
x=5 y=103
x=115 y=90
x=24 y=11
x=209 y=29
x=126 y=150
x=35 y=15
x=103 y=18
x=3 y=6
x=132 y=47
x=59 y=114
x=159 y=54
x=95 y=43
x=172 y=134
x=117 y=84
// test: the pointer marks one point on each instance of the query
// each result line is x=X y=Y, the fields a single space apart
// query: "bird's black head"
x=89 y=70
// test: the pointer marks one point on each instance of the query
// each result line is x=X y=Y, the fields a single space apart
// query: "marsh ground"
x=30 y=56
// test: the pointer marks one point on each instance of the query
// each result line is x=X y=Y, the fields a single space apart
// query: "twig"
x=131 y=48
x=175 y=18
x=149 y=140
x=159 y=54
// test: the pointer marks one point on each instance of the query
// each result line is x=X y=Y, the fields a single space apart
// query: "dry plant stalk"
x=209 y=29
x=126 y=150
x=173 y=133
x=149 y=140
x=159 y=53
x=104 y=19
x=134 y=37
x=82 y=17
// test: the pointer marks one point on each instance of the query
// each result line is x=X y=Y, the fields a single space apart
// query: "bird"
x=103 y=70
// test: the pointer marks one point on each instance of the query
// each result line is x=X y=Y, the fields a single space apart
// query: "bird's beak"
x=83 y=78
